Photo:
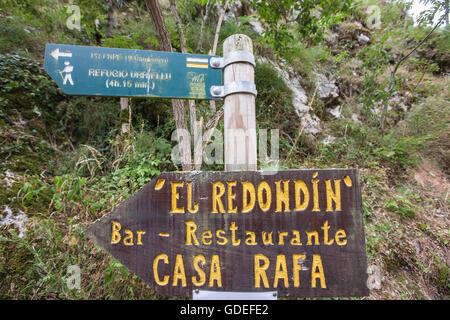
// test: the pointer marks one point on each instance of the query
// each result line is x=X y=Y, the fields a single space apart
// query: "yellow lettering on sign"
x=341 y=237
x=165 y=259
x=295 y=241
x=281 y=236
x=233 y=229
x=201 y=274
x=194 y=208
x=317 y=272
x=215 y=274
x=176 y=196
x=325 y=229
x=218 y=191
x=231 y=196
x=220 y=234
x=159 y=184
x=264 y=186
x=248 y=189
x=333 y=196
x=191 y=227
x=115 y=236
x=206 y=237
x=128 y=239
x=140 y=233
x=282 y=196
x=348 y=181
x=311 y=234
x=260 y=270
x=315 y=183
x=267 y=238
x=251 y=239
x=301 y=188
x=296 y=259
x=281 y=271
x=178 y=272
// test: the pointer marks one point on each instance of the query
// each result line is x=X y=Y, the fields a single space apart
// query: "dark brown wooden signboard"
x=297 y=232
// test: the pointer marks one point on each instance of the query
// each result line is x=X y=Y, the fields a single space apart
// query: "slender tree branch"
x=392 y=84
x=162 y=35
x=202 y=28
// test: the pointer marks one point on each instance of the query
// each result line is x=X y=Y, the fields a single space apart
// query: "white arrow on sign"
x=56 y=54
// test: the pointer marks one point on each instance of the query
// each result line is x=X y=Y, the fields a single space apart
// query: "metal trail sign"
x=86 y=70
x=297 y=232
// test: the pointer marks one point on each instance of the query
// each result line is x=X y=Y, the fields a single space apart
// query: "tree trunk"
x=192 y=108
x=162 y=35
x=219 y=25
x=202 y=28
x=176 y=17
x=111 y=21
x=212 y=103
x=124 y=102
x=125 y=109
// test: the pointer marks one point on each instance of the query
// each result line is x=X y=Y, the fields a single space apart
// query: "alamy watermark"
x=73 y=280
x=213 y=152
x=374 y=277
x=74 y=20
x=373 y=19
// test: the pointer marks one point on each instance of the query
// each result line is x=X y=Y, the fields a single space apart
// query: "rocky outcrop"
x=309 y=121
x=326 y=86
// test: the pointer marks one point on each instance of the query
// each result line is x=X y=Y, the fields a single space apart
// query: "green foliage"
x=375 y=57
x=126 y=42
x=151 y=156
x=401 y=206
x=88 y=120
x=15 y=38
x=443 y=277
x=274 y=103
x=110 y=271
x=353 y=146
x=400 y=152
x=26 y=88
x=29 y=191
x=285 y=18
x=63 y=193
x=438 y=10
x=232 y=27
x=274 y=96
x=27 y=96
x=68 y=190
x=443 y=41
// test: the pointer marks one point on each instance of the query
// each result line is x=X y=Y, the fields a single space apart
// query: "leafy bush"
x=26 y=88
x=401 y=206
x=400 y=153
x=274 y=96
x=16 y=37
x=88 y=120
x=151 y=156
x=431 y=117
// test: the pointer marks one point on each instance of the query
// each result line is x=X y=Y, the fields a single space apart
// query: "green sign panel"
x=84 y=70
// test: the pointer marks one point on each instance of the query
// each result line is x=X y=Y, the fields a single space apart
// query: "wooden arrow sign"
x=297 y=232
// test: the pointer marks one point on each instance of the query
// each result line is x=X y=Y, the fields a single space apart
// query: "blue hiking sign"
x=86 y=70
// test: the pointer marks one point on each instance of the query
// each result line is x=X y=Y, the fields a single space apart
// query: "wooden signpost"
x=298 y=233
